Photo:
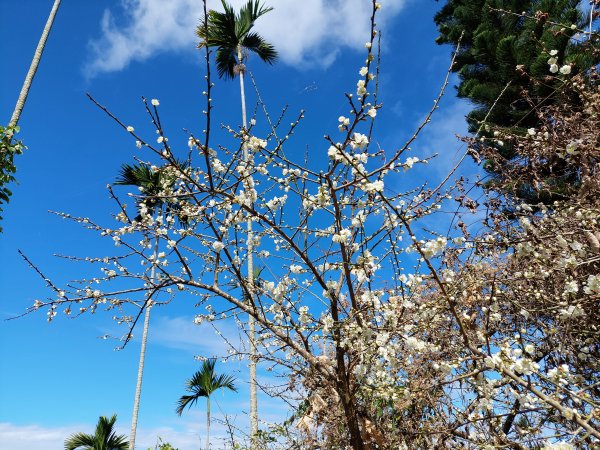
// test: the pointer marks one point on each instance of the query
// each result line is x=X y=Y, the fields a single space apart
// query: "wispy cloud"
x=307 y=32
x=14 y=437
x=182 y=334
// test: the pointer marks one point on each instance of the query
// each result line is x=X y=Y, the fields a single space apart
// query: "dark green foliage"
x=103 y=439
x=229 y=31
x=494 y=44
x=502 y=49
x=9 y=147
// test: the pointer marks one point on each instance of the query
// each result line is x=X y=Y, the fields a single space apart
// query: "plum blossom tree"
x=393 y=332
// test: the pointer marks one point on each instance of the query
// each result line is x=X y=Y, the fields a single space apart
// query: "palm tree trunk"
x=138 y=386
x=208 y=422
x=250 y=279
x=37 y=56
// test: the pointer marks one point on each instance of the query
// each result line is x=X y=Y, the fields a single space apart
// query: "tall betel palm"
x=37 y=56
x=8 y=146
x=103 y=439
x=231 y=34
x=153 y=182
x=202 y=384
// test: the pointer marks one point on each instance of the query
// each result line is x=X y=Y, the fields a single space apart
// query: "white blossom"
x=359 y=141
x=360 y=88
x=566 y=69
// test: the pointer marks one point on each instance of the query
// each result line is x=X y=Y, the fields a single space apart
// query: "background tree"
x=505 y=60
x=233 y=38
x=104 y=438
x=202 y=384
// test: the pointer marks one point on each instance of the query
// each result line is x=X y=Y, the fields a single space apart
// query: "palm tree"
x=231 y=34
x=153 y=182
x=8 y=147
x=104 y=438
x=37 y=56
x=202 y=384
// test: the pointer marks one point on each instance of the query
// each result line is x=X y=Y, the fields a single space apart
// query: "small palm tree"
x=233 y=38
x=202 y=384
x=104 y=438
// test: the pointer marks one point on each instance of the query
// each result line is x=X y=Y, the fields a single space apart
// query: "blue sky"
x=58 y=378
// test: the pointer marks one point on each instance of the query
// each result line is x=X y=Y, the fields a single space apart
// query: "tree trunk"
x=138 y=387
x=346 y=397
x=37 y=56
x=207 y=422
x=250 y=279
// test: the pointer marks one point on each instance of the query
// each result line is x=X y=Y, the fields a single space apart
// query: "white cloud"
x=307 y=32
x=14 y=437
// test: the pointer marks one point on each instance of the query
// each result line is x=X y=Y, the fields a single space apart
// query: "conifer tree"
x=503 y=60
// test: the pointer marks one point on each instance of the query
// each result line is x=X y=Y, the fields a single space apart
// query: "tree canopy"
x=512 y=60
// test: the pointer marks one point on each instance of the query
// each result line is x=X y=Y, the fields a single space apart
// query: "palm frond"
x=134 y=175
x=203 y=383
x=253 y=10
x=104 y=427
x=226 y=62
x=105 y=437
x=253 y=42
x=225 y=381
x=227 y=31
x=80 y=441
x=185 y=401
x=117 y=442
x=153 y=181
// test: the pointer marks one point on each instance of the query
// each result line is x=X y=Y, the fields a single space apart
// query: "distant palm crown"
x=104 y=438
x=153 y=181
x=230 y=32
x=203 y=383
